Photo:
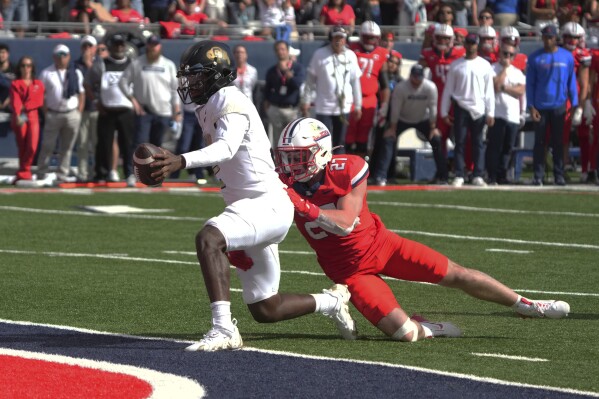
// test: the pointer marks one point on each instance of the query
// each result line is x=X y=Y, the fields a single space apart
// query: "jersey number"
x=441 y=71
x=366 y=65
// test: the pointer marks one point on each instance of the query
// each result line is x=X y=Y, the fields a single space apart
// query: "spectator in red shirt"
x=27 y=96
x=124 y=13
x=337 y=12
x=189 y=17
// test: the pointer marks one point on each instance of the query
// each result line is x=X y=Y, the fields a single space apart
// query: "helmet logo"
x=217 y=53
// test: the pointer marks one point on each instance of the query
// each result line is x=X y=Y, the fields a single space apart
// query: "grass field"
x=137 y=274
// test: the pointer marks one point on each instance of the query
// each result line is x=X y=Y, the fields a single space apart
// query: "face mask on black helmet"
x=205 y=68
x=304 y=149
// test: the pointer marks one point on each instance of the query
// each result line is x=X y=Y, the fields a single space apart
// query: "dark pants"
x=150 y=128
x=555 y=119
x=337 y=125
x=123 y=121
x=501 y=141
x=388 y=150
x=461 y=124
x=192 y=138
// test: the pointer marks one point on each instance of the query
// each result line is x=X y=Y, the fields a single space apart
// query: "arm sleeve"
x=489 y=94
x=15 y=99
x=230 y=130
x=299 y=76
x=355 y=84
x=396 y=103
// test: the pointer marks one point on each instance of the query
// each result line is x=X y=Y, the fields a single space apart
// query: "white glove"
x=589 y=112
x=381 y=117
x=577 y=116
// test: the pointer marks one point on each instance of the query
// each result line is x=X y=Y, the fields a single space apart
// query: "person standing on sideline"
x=115 y=110
x=550 y=83
x=282 y=90
x=469 y=88
x=333 y=82
x=87 y=137
x=354 y=247
x=247 y=75
x=510 y=86
x=374 y=83
x=258 y=212
x=26 y=97
x=154 y=96
x=7 y=74
x=413 y=105
x=64 y=102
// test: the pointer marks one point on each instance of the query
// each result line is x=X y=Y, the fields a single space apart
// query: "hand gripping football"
x=142 y=158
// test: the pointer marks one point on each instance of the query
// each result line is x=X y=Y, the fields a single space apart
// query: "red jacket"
x=26 y=98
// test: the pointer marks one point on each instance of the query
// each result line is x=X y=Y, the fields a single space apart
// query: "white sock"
x=221 y=315
x=325 y=303
x=427 y=331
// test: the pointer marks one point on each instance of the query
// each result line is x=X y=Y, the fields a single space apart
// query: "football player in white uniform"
x=258 y=211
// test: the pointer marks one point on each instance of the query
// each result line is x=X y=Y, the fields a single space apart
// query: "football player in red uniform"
x=354 y=247
x=373 y=62
x=573 y=40
x=437 y=59
x=488 y=46
x=591 y=117
x=510 y=35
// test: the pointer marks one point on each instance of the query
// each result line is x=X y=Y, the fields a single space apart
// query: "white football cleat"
x=218 y=339
x=439 y=329
x=343 y=320
x=549 y=308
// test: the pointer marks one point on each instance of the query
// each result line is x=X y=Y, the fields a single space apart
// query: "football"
x=142 y=158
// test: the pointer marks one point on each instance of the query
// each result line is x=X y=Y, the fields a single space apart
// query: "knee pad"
x=408 y=326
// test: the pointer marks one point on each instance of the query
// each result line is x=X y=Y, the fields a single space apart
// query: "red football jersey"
x=439 y=63
x=370 y=63
x=342 y=174
x=582 y=57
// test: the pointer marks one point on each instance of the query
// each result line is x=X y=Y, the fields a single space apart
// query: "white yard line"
x=195 y=263
x=499 y=355
x=510 y=251
x=481 y=209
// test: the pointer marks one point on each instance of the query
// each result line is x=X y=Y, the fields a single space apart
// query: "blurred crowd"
x=468 y=96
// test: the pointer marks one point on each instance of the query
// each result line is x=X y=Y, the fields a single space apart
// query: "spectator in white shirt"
x=64 y=102
x=510 y=86
x=333 y=82
x=247 y=75
x=469 y=86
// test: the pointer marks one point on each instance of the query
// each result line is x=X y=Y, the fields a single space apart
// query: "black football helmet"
x=205 y=68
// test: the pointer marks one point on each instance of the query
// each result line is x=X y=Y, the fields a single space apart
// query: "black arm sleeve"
x=383 y=80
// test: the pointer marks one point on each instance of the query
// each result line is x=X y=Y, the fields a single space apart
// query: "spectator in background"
x=154 y=95
x=570 y=11
x=86 y=12
x=445 y=14
x=7 y=74
x=115 y=110
x=190 y=17
x=389 y=12
x=278 y=18
x=87 y=137
x=505 y=11
x=158 y=10
x=550 y=83
x=282 y=90
x=544 y=12
x=124 y=13
x=241 y=12
x=469 y=87
x=64 y=102
x=16 y=11
x=510 y=86
x=333 y=82
x=27 y=97
x=247 y=75
x=337 y=12
x=485 y=18
x=216 y=10
x=459 y=36
x=413 y=105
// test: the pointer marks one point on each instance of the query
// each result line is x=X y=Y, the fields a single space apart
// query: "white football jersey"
x=237 y=146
